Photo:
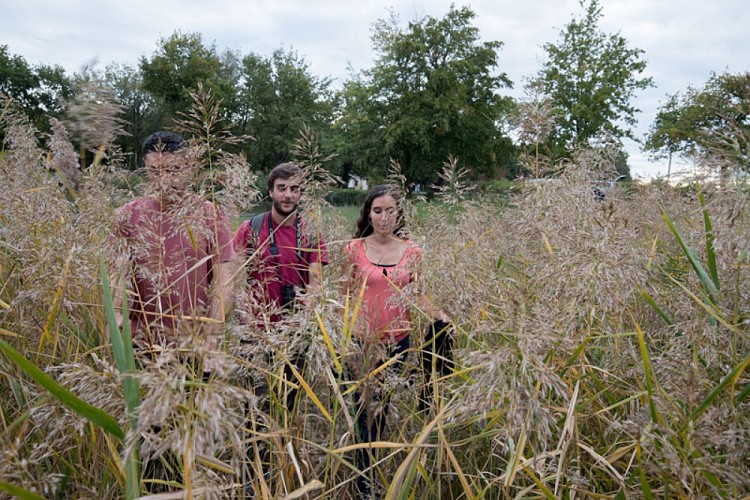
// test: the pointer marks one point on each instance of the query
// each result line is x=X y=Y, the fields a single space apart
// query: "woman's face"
x=384 y=214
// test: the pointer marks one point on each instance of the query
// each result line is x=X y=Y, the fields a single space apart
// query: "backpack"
x=256 y=224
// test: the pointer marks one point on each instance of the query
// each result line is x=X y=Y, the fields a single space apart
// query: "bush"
x=346 y=197
x=502 y=187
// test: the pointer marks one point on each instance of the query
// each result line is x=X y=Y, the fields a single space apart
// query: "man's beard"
x=279 y=210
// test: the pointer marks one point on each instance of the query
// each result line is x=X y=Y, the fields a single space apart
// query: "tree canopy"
x=432 y=92
x=37 y=90
x=710 y=124
x=178 y=65
x=592 y=78
x=277 y=99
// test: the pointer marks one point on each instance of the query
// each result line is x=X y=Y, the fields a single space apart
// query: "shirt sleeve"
x=413 y=257
x=350 y=252
x=225 y=236
x=121 y=226
x=243 y=238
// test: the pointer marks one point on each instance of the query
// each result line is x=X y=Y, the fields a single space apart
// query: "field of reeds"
x=601 y=348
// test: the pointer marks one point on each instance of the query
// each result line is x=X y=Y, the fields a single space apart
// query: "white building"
x=357 y=182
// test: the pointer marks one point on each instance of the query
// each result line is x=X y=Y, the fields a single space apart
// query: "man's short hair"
x=282 y=171
x=163 y=141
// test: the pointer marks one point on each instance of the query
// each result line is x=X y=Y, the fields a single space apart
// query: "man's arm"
x=224 y=266
x=117 y=276
x=222 y=298
x=221 y=302
x=315 y=277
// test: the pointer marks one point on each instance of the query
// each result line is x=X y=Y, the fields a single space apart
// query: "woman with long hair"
x=382 y=263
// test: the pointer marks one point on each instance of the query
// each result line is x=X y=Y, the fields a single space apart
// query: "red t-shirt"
x=384 y=311
x=172 y=254
x=291 y=264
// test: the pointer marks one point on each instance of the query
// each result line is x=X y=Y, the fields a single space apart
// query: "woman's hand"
x=441 y=316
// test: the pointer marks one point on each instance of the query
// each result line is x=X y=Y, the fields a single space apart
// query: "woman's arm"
x=424 y=302
x=426 y=305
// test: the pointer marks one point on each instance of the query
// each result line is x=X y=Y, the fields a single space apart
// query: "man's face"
x=285 y=195
x=169 y=171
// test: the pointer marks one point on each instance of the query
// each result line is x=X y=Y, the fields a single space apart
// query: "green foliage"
x=502 y=187
x=38 y=91
x=708 y=124
x=122 y=349
x=346 y=197
x=73 y=402
x=592 y=78
x=432 y=92
x=178 y=65
x=277 y=99
x=19 y=492
x=140 y=113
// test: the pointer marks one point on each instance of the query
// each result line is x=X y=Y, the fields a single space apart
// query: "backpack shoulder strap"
x=256 y=222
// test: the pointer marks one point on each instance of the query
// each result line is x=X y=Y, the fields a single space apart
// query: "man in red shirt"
x=286 y=260
x=176 y=251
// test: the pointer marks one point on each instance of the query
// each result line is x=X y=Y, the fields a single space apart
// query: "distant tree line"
x=435 y=89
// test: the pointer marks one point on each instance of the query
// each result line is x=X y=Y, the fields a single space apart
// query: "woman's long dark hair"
x=364 y=225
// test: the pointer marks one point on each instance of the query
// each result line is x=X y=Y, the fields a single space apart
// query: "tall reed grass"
x=602 y=347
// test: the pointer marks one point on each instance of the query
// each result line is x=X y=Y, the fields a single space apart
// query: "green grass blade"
x=645 y=488
x=19 y=492
x=710 y=253
x=122 y=348
x=731 y=377
x=650 y=301
x=400 y=483
x=649 y=375
x=545 y=491
x=118 y=350
x=79 y=406
x=715 y=482
x=743 y=394
x=706 y=282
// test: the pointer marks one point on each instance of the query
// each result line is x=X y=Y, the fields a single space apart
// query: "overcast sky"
x=684 y=40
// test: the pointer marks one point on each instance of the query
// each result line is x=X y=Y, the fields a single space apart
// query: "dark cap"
x=163 y=141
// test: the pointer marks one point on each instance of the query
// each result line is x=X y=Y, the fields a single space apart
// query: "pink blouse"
x=384 y=311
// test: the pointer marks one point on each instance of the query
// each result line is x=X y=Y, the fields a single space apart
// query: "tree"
x=710 y=125
x=276 y=101
x=592 y=78
x=432 y=92
x=179 y=64
x=38 y=91
x=140 y=114
x=358 y=130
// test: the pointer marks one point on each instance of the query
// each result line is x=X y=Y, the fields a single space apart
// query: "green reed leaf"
x=707 y=283
x=650 y=301
x=710 y=253
x=730 y=378
x=122 y=348
x=19 y=492
x=743 y=394
x=95 y=415
x=649 y=375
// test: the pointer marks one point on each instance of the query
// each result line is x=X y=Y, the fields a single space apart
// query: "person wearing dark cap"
x=175 y=248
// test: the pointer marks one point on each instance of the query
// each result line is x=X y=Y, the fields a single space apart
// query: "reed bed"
x=601 y=347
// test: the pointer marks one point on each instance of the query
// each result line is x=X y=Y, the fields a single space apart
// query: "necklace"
x=388 y=254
